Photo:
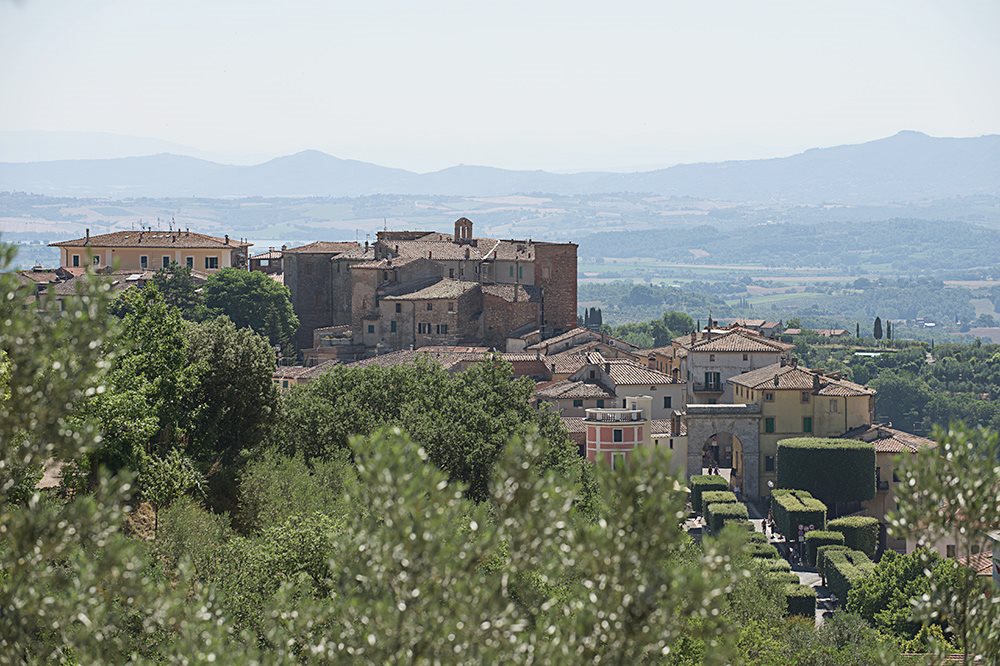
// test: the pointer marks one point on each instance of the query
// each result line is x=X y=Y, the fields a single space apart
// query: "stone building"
x=417 y=288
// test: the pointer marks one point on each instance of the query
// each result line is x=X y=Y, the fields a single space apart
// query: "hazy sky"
x=556 y=85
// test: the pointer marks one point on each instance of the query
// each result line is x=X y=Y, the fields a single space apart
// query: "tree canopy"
x=252 y=299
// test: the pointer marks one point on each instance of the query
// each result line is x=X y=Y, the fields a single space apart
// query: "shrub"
x=834 y=470
x=720 y=514
x=821 y=556
x=792 y=508
x=757 y=537
x=860 y=532
x=775 y=565
x=782 y=577
x=716 y=497
x=818 y=538
x=701 y=483
x=801 y=600
x=844 y=569
x=764 y=551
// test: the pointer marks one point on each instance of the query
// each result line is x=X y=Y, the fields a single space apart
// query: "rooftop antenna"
x=385 y=224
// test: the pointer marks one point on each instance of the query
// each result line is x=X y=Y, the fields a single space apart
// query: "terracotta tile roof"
x=571 y=389
x=571 y=360
x=981 y=563
x=289 y=371
x=629 y=373
x=270 y=254
x=563 y=337
x=153 y=239
x=739 y=341
x=525 y=293
x=887 y=439
x=795 y=377
x=793 y=331
x=407 y=356
x=445 y=288
x=665 y=427
x=40 y=276
x=323 y=247
x=752 y=323
x=314 y=371
x=522 y=356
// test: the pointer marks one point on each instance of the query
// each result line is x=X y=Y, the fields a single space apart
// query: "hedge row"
x=763 y=551
x=792 y=508
x=775 y=565
x=782 y=577
x=702 y=482
x=844 y=569
x=800 y=600
x=756 y=537
x=818 y=538
x=709 y=497
x=834 y=470
x=719 y=514
x=860 y=532
x=821 y=555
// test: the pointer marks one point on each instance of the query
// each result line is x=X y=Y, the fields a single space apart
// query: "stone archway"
x=742 y=421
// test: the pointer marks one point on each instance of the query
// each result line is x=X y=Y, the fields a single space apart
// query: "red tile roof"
x=572 y=389
x=778 y=376
x=154 y=239
x=323 y=247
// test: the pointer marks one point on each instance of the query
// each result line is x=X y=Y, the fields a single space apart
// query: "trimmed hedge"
x=800 y=600
x=860 y=532
x=763 y=551
x=702 y=482
x=821 y=555
x=756 y=537
x=792 y=508
x=818 y=538
x=715 y=497
x=834 y=470
x=719 y=514
x=782 y=577
x=775 y=565
x=845 y=569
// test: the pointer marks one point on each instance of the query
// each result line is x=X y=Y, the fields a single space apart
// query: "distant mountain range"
x=906 y=167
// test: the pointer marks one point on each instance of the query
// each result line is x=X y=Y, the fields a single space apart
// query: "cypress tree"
x=878 y=328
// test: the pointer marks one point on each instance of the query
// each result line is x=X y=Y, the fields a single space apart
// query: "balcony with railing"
x=709 y=387
x=614 y=415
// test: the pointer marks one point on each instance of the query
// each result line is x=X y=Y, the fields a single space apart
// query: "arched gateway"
x=742 y=421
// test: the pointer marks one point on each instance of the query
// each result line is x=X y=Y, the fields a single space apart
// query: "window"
x=442 y=329
x=371 y=328
x=213 y=262
x=284 y=383
x=713 y=381
x=834 y=406
x=805 y=397
x=769 y=424
x=546 y=272
x=617 y=435
x=769 y=397
x=950 y=550
x=617 y=461
x=975 y=549
x=666 y=402
x=424 y=328
x=451 y=306
x=895 y=477
x=392 y=326
x=190 y=262
x=520 y=272
x=143 y=262
x=512 y=271
x=451 y=272
x=624 y=403
x=592 y=374
x=746 y=357
x=430 y=306
x=97 y=260
x=711 y=358
x=578 y=403
x=399 y=307
x=768 y=463
x=671 y=444
x=76 y=261
x=600 y=404
x=807 y=424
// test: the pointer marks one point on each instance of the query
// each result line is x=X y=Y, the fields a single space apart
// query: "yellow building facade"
x=152 y=250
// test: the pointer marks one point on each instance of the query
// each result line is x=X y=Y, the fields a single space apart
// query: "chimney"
x=815 y=382
x=88 y=237
x=607 y=368
x=776 y=380
x=553 y=368
x=284 y=247
x=782 y=362
x=366 y=246
x=227 y=239
x=694 y=337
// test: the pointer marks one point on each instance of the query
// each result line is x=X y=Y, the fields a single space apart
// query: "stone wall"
x=555 y=273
